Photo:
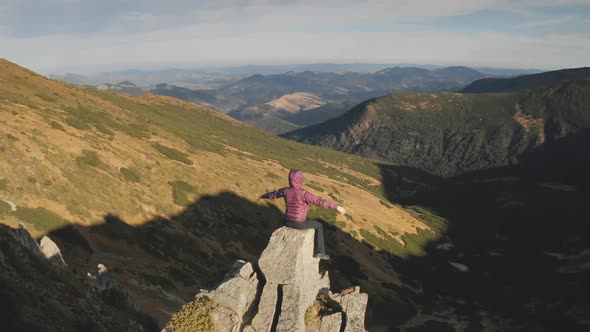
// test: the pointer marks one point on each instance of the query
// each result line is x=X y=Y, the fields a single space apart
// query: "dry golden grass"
x=39 y=162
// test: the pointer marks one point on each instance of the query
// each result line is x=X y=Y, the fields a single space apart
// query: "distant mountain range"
x=540 y=80
x=447 y=134
x=280 y=103
x=339 y=91
x=248 y=93
x=195 y=79
x=213 y=75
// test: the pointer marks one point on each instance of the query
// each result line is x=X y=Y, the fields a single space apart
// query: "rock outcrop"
x=45 y=249
x=293 y=280
x=51 y=251
x=24 y=238
x=40 y=293
x=282 y=298
x=105 y=284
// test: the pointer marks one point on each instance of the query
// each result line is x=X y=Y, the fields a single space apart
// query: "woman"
x=297 y=199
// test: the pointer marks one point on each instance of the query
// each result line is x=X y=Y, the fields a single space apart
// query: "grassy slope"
x=104 y=161
x=446 y=134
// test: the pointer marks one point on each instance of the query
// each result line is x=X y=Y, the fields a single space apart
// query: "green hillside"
x=448 y=134
x=166 y=193
x=526 y=82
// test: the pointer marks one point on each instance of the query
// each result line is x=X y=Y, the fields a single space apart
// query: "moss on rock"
x=193 y=317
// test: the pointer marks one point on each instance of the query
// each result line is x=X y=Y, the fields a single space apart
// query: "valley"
x=271 y=102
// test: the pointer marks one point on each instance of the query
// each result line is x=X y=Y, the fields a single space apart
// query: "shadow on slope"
x=521 y=231
x=165 y=261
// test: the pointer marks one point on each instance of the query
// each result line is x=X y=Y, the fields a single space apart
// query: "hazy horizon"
x=79 y=36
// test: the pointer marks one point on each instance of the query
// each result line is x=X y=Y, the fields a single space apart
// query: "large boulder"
x=292 y=284
x=288 y=264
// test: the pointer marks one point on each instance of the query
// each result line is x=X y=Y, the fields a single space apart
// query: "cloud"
x=546 y=22
x=191 y=47
x=29 y=18
x=60 y=35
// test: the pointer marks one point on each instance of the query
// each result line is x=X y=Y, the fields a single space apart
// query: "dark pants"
x=319 y=232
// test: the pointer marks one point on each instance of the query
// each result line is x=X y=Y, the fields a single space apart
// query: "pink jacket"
x=297 y=199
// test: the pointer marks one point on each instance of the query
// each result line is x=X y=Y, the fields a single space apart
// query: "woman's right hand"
x=341 y=209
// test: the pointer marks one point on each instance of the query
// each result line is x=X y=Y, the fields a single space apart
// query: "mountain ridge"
x=447 y=134
x=524 y=82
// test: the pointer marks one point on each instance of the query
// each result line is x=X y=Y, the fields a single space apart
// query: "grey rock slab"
x=51 y=251
x=238 y=290
x=355 y=306
x=288 y=260
x=331 y=323
x=26 y=240
x=266 y=308
x=292 y=316
x=225 y=320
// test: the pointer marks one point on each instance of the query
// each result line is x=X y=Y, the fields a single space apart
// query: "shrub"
x=45 y=97
x=130 y=175
x=335 y=198
x=56 y=125
x=323 y=306
x=327 y=215
x=12 y=138
x=416 y=242
x=90 y=158
x=193 y=317
x=271 y=175
x=3 y=184
x=133 y=132
x=387 y=243
x=4 y=208
x=104 y=129
x=384 y=203
x=43 y=219
x=173 y=153
x=78 y=124
x=181 y=191
x=438 y=224
x=315 y=186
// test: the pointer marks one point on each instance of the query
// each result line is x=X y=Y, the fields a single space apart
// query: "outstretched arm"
x=312 y=199
x=274 y=194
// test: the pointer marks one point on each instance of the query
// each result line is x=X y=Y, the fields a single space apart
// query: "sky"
x=81 y=36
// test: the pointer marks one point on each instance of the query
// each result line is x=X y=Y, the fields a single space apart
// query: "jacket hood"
x=295 y=178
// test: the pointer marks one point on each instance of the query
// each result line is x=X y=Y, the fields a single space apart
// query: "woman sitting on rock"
x=297 y=199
